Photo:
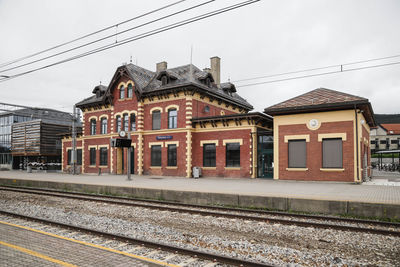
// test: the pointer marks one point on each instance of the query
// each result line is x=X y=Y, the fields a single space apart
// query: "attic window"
x=164 y=80
x=208 y=82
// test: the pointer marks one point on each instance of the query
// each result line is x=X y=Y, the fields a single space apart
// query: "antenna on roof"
x=191 y=65
x=100 y=82
x=130 y=59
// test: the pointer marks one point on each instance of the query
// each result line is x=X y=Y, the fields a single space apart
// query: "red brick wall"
x=198 y=109
x=220 y=170
x=314 y=153
x=181 y=155
x=148 y=119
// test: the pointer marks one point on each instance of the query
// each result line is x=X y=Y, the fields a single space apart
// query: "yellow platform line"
x=36 y=254
x=93 y=245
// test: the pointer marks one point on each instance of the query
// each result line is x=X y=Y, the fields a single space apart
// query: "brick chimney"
x=215 y=63
x=161 y=66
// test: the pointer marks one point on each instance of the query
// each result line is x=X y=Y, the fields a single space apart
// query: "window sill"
x=104 y=166
x=171 y=167
x=331 y=170
x=92 y=166
x=297 y=169
x=155 y=167
x=232 y=168
x=209 y=168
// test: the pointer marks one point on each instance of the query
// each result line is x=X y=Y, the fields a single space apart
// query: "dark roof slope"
x=322 y=99
x=316 y=97
x=148 y=82
x=387 y=118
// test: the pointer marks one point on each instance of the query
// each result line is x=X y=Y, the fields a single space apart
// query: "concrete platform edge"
x=330 y=207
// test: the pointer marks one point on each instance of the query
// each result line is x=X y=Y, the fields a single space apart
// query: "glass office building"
x=6 y=121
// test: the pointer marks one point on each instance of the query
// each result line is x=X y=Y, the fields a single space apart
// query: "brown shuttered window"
x=297 y=154
x=332 y=153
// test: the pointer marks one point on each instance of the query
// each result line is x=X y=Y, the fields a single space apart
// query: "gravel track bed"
x=260 y=215
x=268 y=243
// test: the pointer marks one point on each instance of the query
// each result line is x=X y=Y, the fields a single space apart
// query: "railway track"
x=152 y=248
x=316 y=221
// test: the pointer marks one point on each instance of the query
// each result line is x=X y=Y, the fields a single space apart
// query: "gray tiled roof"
x=147 y=82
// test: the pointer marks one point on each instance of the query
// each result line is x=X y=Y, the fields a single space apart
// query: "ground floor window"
x=209 y=155
x=92 y=156
x=103 y=156
x=297 y=154
x=69 y=157
x=156 y=155
x=171 y=155
x=233 y=155
x=78 y=157
x=332 y=153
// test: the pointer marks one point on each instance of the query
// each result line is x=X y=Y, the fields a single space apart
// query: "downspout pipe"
x=357 y=156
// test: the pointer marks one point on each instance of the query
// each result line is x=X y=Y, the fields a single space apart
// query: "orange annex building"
x=322 y=135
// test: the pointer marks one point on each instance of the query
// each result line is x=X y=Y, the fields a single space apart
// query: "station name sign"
x=164 y=137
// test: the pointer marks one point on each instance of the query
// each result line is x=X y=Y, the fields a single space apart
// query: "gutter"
x=358 y=164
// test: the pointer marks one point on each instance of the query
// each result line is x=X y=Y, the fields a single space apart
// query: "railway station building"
x=322 y=135
x=178 y=118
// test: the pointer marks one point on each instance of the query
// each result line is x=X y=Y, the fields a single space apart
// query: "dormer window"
x=164 y=80
x=208 y=82
x=97 y=93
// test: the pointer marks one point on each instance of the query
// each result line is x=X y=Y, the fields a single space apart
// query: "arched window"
x=130 y=90
x=156 y=120
x=104 y=126
x=126 y=122
x=133 y=122
x=172 y=118
x=122 y=92
x=118 y=124
x=92 y=126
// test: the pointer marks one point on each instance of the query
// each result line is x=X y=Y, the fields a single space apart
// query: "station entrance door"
x=265 y=156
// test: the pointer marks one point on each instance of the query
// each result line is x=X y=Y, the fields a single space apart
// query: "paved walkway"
x=258 y=187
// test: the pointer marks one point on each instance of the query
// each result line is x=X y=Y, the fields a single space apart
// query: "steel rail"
x=114 y=200
x=150 y=244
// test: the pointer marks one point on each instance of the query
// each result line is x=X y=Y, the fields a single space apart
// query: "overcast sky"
x=265 y=38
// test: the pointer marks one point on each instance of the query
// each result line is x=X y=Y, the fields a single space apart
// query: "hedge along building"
x=178 y=118
x=322 y=135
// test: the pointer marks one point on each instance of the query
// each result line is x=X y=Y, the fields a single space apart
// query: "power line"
x=90 y=34
x=313 y=69
x=141 y=36
x=320 y=74
x=107 y=37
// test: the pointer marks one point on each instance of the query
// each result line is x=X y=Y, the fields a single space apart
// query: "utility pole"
x=73 y=155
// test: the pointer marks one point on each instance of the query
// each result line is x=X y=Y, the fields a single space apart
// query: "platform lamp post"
x=73 y=155
x=128 y=159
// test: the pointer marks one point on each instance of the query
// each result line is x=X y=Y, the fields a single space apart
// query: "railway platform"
x=24 y=246
x=316 y=197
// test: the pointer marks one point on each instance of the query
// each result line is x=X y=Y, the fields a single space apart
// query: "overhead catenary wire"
x=90 y=34
x=141 y=36
x=319 y=74
x=314 y=69
x=107 y=37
